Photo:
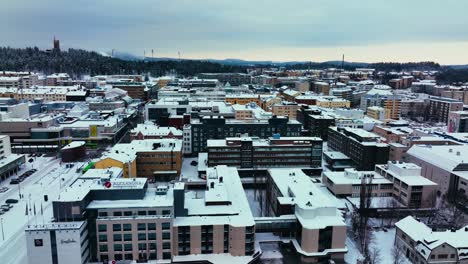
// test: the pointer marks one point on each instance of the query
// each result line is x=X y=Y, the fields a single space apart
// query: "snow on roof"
x=447 y=157
x=428 y=239
x=224 y=201
x=313 y=208
x=151 y=199
x=127 y=152
x=82 y=186
x=155 y=130
x=74 y=144
x=352 y=176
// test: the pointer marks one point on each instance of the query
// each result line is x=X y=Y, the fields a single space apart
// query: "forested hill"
x=78 y=62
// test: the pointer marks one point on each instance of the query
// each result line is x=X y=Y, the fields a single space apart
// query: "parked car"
x=15 y=181
x=1 y=211
x=3 y=189
x=11 y=201
x=6 y=207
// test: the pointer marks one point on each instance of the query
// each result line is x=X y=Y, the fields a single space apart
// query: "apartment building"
x=422 y=244
x=255 y=153
x=214 y=127
x=320 y=232
x=445 y=165
x=155 y=159
x=440 y=108
x=362 y=147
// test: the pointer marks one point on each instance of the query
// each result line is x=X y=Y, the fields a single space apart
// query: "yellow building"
x=157 y=159
x=243 y=99
x=285 y=109
x=392 y=108
x=376 y=112
x=332 y=102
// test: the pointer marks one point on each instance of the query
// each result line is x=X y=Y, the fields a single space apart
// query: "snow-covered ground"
x=46 y=181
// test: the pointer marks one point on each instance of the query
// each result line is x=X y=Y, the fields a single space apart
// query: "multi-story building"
x=458 y=122
x=382 y=95
x=218 y=223
x=155 y=159
x=409 y=187
x=362 y=147
x=102 y=218
x=319 y=233
x=152 y=131
x=214 y=127
x=376 y=112
x=445 y=165
x=422 y=244
x=345 y=93
x=285 y=108
x=248 y=153
x=243 y=99
x=440 y=108
x=231 y=78
x=9 y=162
x=348 y=183
x=135 y=90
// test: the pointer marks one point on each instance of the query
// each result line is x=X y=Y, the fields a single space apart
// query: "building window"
x=117 y=237
x=128 y=247
x=151 y=236
x=141 y=236
x=102 y=228
x=117 y=247
x=141 y=246
x=103 y=248
x=127 y=237
x=166 y=245
x=103 y=238
x=127 y=227
x=166 y=235
x=117 y=227
x=38 y=242
x=141 y=226
x=151 y=226
x=166 y=225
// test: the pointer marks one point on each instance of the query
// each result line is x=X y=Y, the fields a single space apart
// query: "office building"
x=255 y=153
x=362 y=147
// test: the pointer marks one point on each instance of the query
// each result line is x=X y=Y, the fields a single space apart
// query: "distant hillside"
x=78 y=62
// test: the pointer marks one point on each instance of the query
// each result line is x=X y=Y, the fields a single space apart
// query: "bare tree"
x=453 y=215
x=375 y=256
x=397 y=255
x=364 y=232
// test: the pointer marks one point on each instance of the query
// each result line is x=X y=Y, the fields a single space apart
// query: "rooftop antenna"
x=144 y=53
x=179 y=54
x=152 y=53
x=112 y=53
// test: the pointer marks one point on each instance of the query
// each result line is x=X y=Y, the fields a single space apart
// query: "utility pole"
x=3 y=234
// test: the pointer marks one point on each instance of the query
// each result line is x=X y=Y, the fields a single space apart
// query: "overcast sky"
x=316 y=30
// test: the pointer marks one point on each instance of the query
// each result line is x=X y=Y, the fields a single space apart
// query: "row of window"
x=132 y=213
